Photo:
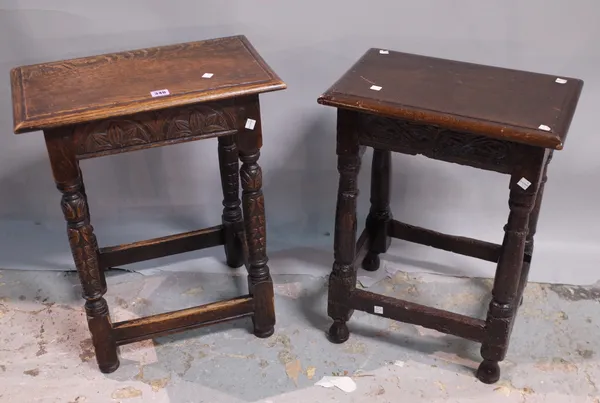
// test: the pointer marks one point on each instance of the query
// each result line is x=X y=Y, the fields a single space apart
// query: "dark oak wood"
x=101 y=105
x=532 y=227
x=232 y=219
x=130 y=331
x=342 y=281
x=479 y=116
x=120 y=255
x=362 y=248
x=491 y=101
x=457 y=244
x=159 y=128
x=502 y=309
x=119 y=84
x=84 y=246
x=380 y=214
x=253 y=206
x=441 y=144
x=417 y=314
x=452 y=243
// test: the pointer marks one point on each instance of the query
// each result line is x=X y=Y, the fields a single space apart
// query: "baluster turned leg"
x=87 y=215
x=380 y=214
x=503 y=308
x=260 y=283
x=233 y=222
x=533 y=220
x=342 y=280
x=84 y=247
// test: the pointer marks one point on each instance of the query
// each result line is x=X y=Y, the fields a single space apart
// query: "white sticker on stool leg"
x=378 y=309
x=560 y=80
x=207 y=75
x=544 y=128
x=250 y=124
x=376 y=88
x=384 y=52
x=524 y=183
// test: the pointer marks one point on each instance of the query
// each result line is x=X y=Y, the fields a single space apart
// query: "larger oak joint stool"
x=120 y=102
x=490 y=118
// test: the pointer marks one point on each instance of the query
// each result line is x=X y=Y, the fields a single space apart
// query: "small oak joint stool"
x=490 y=118
x=120 y=102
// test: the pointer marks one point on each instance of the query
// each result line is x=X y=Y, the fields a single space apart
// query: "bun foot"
x=109 y=368
x=338 y=332
x=488 y=372
x=371 y=262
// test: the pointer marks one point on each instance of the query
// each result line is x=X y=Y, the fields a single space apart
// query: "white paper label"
x=376 y=88
x=378 y=309
x=544 y=128
x=159 y=93
x=524 y=183
x=384 y=52
x=344 y=383
x=207 y=75
x=561 y=81
x=250 y=124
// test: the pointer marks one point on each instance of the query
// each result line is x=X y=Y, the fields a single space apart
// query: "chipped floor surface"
x=46 y=353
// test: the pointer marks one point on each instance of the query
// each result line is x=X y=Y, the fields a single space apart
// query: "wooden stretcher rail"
x=451 y=243
x=417 y=314
x=130 y=331
x=159 y=247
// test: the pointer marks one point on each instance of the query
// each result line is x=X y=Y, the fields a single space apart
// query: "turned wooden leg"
x=84 y=247
x=380 y=214
x=502 y=309
x=342 y=280
x=253 y=204
x=533 y=220
x=87 y=215
x=233 y=222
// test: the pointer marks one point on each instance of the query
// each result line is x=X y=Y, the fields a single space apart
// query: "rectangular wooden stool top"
x=117 y=84
x=520 y=106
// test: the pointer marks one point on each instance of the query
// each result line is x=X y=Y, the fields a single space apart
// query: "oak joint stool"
x=114 y=103
x=491 y=118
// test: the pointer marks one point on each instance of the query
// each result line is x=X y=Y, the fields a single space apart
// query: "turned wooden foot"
x=110 y=366
x=371 y=262
x=263 y=333
x=264 y=310
x=488 y=372
x=234 y=253
x=338 y=332
x=107 y=353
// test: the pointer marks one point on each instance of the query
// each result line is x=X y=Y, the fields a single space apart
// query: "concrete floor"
x=46 y=353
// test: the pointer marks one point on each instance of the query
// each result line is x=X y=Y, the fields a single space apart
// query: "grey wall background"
x=309 y=43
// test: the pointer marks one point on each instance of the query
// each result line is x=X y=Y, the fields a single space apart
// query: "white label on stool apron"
x=207 y=75
x=159 y=93
x=544 y=128
x=378 y=309
x=250 y=124
x=524 y=183
x=375 y=87
x=561 y=81
x=384 y=52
